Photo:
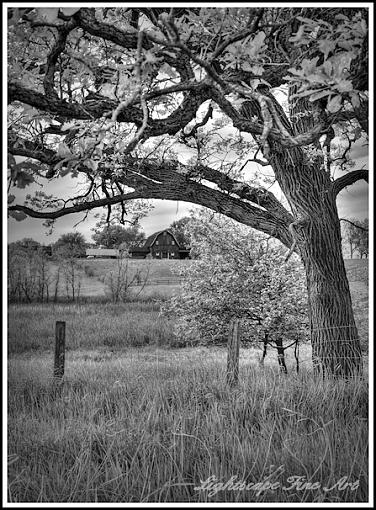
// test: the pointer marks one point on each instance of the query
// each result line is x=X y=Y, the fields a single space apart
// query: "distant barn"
x=161 y=245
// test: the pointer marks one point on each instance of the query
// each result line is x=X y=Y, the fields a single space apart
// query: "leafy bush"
x=238 y=276
x=89 y=271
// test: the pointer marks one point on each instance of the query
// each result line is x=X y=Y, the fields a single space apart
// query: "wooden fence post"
x=59 y=350
x=232 y=375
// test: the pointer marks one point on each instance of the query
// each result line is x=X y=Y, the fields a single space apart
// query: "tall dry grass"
x=31 y=327
x=148 y=425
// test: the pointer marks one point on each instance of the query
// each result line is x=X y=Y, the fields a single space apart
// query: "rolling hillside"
x=165 y=273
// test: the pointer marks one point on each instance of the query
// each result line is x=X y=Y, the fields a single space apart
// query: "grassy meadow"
x=136 y=420
x=160 y=275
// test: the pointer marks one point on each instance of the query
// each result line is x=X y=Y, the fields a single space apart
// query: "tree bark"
x=265 y=348
x=334 y=336
x=308 y=188
x=281 y=355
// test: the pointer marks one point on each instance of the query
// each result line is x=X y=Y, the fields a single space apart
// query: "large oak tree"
x=104 y=94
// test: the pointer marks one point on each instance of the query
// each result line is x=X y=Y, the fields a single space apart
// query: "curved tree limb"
x=103 y=106
x=85 y=18
x=186 y=191
x=348 y=179
x=172 y=181
x=354 y=224
x=260 y=197
x=180 y=117
x=257 y=195
x=57 y=49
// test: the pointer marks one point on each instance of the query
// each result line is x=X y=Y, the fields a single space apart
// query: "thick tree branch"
x=57 y=49
x=260 y=197
x=170 y=181
x=86 y=19
x=156 y=127
x=257 y=195
x=186 y=191
x=348 y=179
x=83 y=206
x=21 y=147
x=103 y=106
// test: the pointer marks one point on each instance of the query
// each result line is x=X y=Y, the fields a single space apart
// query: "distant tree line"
x=39 y=273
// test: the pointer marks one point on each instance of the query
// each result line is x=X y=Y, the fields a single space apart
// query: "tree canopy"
x=112 y=236
x=71 y=244
x=181 y=231
x=89 y=87
x=205 y=105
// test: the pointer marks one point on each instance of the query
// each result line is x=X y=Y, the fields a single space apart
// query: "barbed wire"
x=339 y=341
x=333 y=327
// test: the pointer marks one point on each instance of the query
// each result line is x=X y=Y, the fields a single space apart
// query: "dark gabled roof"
x=151 y=239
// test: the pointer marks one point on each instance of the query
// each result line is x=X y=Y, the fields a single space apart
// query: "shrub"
x=238 y=276
x=89 y=271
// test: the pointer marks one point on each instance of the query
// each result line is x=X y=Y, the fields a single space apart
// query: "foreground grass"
x=147 y=425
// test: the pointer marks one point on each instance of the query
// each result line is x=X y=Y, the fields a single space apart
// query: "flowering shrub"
x=238 y=275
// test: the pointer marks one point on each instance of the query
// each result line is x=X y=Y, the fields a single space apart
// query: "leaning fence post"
x=59 y=350
x=232 y=375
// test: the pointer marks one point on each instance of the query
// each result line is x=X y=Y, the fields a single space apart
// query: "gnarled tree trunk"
x=316 y=229
x=335 y=343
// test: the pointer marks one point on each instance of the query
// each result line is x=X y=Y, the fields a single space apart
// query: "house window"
x=172 y=254
x=172 y=242
x=156 y=242
x=157 y=253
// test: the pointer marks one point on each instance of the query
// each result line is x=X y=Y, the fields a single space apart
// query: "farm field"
x=161 y=277
x=161 y=274
x=153 y=270
x=357 y=269
x=139 y=421
x=135 y=323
